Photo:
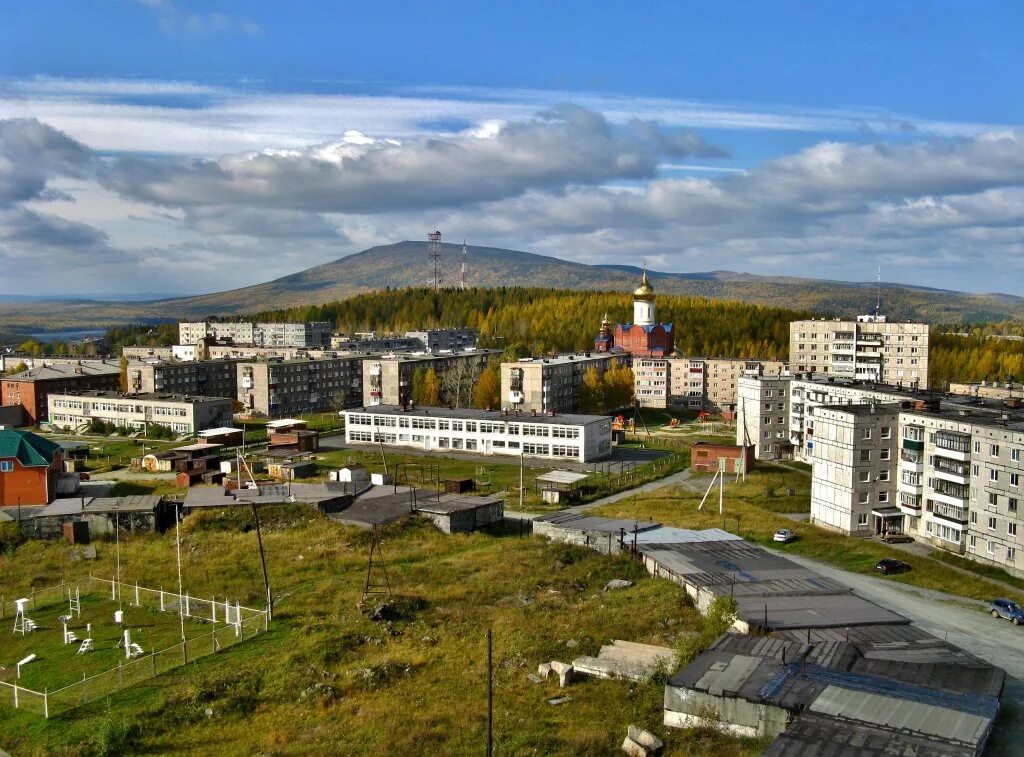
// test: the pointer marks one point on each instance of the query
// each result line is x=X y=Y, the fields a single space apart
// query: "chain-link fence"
x=41 y=598
x=229 y=623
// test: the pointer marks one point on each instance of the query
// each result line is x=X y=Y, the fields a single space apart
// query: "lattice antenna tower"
x=465 y=253
x=434 y=259
x=377 y=582
x=878 y=293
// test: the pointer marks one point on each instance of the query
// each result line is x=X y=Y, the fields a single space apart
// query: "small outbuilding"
x=225 y=436
x=559 y=486
x=705 y=457
x=458 y=513
x=354 y=473
x=290 y=471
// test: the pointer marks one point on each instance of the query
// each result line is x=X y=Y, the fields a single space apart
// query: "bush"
x=719 y=619
x=10 y=535
x=115 y=735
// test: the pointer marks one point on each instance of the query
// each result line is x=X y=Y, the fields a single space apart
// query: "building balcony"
x=911 y=466
x=948 y=499
x=910 y=504
x=956 y=478
x=952 y=516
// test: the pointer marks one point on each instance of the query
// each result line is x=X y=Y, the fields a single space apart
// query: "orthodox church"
x=643 y=337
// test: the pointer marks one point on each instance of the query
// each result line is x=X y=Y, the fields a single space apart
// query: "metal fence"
x=41 y=598
x=229 y=622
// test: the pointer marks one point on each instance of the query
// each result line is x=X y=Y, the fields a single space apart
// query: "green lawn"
x=58 y=664
x=327 y=680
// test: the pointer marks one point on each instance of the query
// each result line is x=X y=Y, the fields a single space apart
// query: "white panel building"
x=581 y=438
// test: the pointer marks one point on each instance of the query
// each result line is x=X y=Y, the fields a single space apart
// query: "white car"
x=784 y=535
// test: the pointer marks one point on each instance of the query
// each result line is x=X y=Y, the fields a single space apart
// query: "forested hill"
x=404 y=264
x=542 y=320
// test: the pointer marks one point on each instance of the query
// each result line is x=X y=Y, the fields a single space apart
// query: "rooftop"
x=31 y=450
x=561 y=419
x=100 y=505
x=453 y=503
x=579 y=522
x=63 y=372
x=563 y=359
x=142 y=396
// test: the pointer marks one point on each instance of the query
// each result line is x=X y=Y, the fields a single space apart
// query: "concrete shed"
x=459 y=513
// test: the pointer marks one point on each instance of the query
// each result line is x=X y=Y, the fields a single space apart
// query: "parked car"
x=896 y=537
x=889 y=566
x=784 y=535
x=83 y=476
x=1006 y=608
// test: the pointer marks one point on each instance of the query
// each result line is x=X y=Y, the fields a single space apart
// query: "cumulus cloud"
x=563 y=146
x=31 y=153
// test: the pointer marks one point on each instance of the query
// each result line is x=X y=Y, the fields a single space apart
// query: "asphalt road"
x=963 y=622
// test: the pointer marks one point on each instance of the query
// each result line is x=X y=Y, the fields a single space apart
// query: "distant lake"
x=66 y=336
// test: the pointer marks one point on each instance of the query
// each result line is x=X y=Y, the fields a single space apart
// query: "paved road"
x=960 y=620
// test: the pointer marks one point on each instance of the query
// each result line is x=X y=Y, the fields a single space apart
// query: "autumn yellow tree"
x=592 y=392
x=431 y=389
x=487 y=392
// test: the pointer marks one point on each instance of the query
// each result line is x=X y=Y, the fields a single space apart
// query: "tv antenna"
x=434 y=259
x=878 y=292
x=462 y=280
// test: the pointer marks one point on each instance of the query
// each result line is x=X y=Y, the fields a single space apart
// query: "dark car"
x=1006 y=608
x=896 y=537
x=889 y=566
x=83 y=476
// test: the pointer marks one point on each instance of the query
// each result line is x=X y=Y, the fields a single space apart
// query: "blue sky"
x=182 y=140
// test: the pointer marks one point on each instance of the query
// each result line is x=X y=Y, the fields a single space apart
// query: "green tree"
x=123 y=379
x=19 y=368
x=416 y=390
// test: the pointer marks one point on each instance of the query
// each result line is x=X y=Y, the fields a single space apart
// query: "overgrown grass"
x=328 y=680
x=747 y=512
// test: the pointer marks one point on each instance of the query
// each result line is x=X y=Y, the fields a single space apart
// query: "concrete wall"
x=686 y=708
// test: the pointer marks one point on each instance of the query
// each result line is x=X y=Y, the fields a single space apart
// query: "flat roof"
x=197 y=448
x=379 y=506
x=453 y=503
x=144 y=396
x=671 y=535
x=562 y=477
x=467 y=413
x=580 y=522
x=815 y=735
x=286 y=422
x=55 y=372
x=566 y=359
x=96 y=505
x=221 y=431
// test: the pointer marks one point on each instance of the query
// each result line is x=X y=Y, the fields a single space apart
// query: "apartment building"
x=210 y=378
x=387 y=379
x=722 y=375
x=276 y=388
x=143 y=352
x=374 y=343
x=994 y=390
x=944 y=469
x=551 y=383
x=651 y=381
x=581 y=438
x=315 y=334
x=869 y=348
x=687 y=378
x=444 y=340
x=182 y=414
x=763 y=414
x=855 y=468
x=31 y=389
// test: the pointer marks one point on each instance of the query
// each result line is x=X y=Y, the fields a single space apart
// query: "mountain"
x=404 y=264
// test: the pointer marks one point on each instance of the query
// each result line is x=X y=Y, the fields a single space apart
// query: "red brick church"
x=643 y=336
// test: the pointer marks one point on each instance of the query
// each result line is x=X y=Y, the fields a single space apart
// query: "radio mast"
x=434 y=259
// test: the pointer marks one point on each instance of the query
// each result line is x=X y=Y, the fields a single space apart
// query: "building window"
x=1014 y=480
x=974 y=517
x=1011 y=504
x=993 y=499
x=862 y=519
x=991 y=548
x=865 y=455
x=864 y=498
x=977 y=447
x=1015 y=455
x=886 y=432
x=974 y=470
x=1011 y=554
x=883 y=455
x=883 y=496
x=865 y=476
x=991 y=524
x=866 y=434
x=6 y=466
x=1011 y=529
x=993 y=474
x=993 y=450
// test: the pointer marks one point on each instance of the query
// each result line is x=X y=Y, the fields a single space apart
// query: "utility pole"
x=490 y=697
x=263 y=562
x=522 y=460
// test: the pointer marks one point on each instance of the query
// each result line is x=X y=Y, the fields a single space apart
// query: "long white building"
x=581 y=438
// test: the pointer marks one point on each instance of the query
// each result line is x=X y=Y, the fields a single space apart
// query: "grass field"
x=58 y=664
x=750 y=512
x=328 y=680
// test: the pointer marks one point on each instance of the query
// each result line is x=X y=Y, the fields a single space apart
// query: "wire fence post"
x=46 y=703
x=120 y=675
x=153 y=657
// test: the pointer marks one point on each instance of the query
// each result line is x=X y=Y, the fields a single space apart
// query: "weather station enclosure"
x=67 y=645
